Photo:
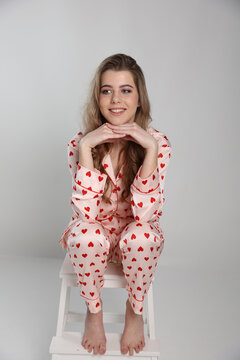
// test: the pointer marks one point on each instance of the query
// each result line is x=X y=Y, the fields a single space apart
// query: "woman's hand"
x=102 y=134
x=134 y=132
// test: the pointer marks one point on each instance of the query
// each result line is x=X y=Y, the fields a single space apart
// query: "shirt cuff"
x=147 y=185
x=90 y=180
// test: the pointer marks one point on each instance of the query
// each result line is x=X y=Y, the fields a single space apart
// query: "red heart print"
x=146 y=258
x=144 y=283
x=92 y=293
x=140 y=248
x=84 y=192
x=137 y=218
x=125 y=240
x=133 y=259
x=92 y=263
x=84 y=255
x=150 y=267
x=97 y=231
x=87 y=208
x=162 y=165
x=147 y=235
x=87 y=274
x=90 y=244
x=84 y=231
x=100 y=178
x=75 y=256
x=129 y=249
x=88 y=173
x=152 y=199
x=138 y=288
x=144 y=182
x=129 y=267
x=81 y=265
x=133 y=236
x=141 y=309
x=105 y=166
x=139 y=269
x=138 y=224
x=97 y=304
x=70 y=153
x=140 y=204
x=77 y=245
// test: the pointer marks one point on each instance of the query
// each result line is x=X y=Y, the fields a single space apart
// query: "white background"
x=189 y=52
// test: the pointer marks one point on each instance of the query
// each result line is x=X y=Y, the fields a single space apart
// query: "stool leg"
x=150 y=314
x=63 y=307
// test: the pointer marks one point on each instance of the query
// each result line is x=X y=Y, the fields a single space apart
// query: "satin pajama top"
x=144 y=202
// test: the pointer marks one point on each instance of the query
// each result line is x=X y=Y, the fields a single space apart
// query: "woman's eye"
x=105 y=91
x=126 y=91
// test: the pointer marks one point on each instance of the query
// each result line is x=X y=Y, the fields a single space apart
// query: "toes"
x=83 y=341
x=124 y=350
x=130 y=350
x=95 y=350
x=102 y=349
x=137 y=349
x=90 y=347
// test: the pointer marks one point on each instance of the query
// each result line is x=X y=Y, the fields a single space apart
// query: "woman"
x=118 y=166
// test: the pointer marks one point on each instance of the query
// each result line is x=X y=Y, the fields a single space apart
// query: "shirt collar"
x=107 y=164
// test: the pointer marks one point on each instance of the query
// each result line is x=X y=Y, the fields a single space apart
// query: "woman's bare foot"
x=94 y=336
x=133 y=334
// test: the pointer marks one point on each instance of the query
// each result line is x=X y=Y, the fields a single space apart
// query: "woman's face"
x=118 y=99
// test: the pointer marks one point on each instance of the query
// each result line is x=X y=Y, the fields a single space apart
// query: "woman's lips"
x=118 y=112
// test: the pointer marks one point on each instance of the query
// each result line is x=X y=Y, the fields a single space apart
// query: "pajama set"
x=122 y=232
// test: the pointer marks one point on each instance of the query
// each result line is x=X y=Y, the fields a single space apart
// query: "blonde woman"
x=118 y=166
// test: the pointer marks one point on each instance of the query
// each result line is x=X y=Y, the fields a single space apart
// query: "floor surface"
x=197 y=311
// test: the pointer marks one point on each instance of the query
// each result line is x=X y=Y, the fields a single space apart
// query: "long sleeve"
x=147 y=194
x=87 y=186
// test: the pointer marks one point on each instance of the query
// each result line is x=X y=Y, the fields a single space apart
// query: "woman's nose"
x=115 y=97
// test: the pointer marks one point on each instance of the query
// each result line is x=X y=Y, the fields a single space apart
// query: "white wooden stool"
x=66 y=345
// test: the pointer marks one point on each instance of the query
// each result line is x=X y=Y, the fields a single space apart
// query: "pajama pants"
x=137 y=246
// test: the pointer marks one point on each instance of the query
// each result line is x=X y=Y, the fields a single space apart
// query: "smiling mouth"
x=117 y=111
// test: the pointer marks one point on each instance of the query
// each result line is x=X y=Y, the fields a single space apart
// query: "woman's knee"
x=138 y=234
x=89 y=236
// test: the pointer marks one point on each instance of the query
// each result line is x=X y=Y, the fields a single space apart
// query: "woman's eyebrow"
x=119 y=86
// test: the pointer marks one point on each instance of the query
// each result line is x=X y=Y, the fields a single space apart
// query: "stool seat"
x=66 y=345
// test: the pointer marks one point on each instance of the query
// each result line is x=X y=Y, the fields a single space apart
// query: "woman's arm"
x=150 y=162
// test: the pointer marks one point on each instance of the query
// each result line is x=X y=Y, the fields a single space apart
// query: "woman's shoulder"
x=161 y=137
x=74 y=141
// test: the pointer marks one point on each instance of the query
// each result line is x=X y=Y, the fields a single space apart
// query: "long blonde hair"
x=92 y=119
